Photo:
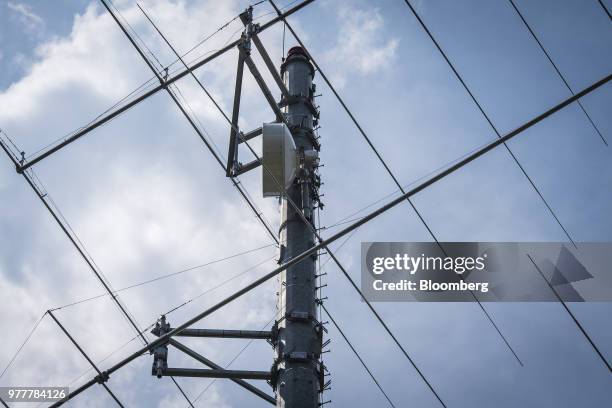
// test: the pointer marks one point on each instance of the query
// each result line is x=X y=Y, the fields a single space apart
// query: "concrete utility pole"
x=298 y=378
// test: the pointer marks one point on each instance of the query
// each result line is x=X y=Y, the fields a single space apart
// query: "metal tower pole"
x=299 y=372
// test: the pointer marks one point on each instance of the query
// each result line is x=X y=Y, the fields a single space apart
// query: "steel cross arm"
x=243 y=168
x=21 y=167
x=207 y=362
x=212 y=373
x=228 y=334
x=250 y=135
x=73 y=341
x=298 y=258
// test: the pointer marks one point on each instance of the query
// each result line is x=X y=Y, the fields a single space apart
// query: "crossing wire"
x=235 y=180
x=535 y=37
x=80 y=349
x=331 y=254
x=341 y=267
x=141 y=88
x=82 y=251
x=347 y=218
x=174 y=309
x=480 y=108
x=308 y=252
x=336 y=260
x=395 y=180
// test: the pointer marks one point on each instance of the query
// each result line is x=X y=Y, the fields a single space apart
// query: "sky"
x=146 y=199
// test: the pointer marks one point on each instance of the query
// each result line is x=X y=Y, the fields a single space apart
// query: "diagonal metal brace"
x=264 y=88
x=195 y=355
x=268 y=61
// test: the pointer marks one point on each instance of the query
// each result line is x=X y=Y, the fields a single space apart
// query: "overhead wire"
x=95 y=270
x=308 y=252
x=161 y=277
x=22 y=345
x=57 y=213
x=169 y=90
x=141 y=88
x=85 y=355
x=177 y=307
x=234 y=179
x=335 y=259
x=43 y=194
x=561 y=76
x=348 y=218
x=344 y=336
x=571 y=314
x=395 y=180
x=489 y=121
x=603 y=6
x=363 y=364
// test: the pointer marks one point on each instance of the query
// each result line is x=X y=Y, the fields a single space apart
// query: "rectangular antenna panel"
x=279 y=159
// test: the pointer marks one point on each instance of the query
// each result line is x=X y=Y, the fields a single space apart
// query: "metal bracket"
x=160 y=353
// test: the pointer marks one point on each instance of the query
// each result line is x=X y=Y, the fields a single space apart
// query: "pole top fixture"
x=294 y=54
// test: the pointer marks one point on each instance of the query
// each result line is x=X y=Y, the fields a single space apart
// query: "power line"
x=22 y=345
x=482 y=111
x=82 y=251
x=395 y=180
x=297 y=258
x=347 y=218
x=331 y=254
x=603 y=6
x=343 y=270
x=567 y=309
x=235 y=182
x=142 y=86
x=148 y=281
x=175 y=77
x=357 y=355
x=603 y=139
x=174 y=309
x=500 y=136
x=80 y=349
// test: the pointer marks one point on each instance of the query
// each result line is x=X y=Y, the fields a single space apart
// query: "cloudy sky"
x=146 y=199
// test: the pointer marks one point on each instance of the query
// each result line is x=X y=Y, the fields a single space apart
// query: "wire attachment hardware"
x=160 y=353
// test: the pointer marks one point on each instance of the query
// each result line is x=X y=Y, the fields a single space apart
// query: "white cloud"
x=32 y=22
x=362 y=46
